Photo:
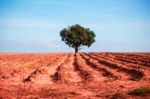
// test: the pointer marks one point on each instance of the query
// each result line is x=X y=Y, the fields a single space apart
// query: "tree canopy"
x=76 y=36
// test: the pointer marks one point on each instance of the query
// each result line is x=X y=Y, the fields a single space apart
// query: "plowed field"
x=73 y=76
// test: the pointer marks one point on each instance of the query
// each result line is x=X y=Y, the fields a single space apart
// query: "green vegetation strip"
x=142 y=91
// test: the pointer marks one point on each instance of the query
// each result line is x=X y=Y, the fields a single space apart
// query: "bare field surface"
x=73 y=76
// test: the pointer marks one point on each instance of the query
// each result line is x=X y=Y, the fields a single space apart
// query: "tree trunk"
x=76 y=49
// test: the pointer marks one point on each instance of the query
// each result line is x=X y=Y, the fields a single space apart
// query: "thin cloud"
x=119 y=26
x=30 y=23
x=26 y=44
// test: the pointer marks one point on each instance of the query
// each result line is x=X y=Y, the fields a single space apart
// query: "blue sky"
x=34 y=25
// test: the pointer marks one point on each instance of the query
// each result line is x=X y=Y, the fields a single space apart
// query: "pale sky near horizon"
x=34 y=25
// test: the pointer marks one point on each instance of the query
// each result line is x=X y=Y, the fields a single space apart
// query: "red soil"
x=75 y=76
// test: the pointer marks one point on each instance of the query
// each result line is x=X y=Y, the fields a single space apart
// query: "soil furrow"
x=139 y=62
x=134 y=58
x=87 y=73
x=125 y=61
x=65 y=72
x=42 y=74
x=20 y=70
x=135 y=75
x=58 y=75
x=105 y=71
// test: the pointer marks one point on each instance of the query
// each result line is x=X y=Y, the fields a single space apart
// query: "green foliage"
x=143 y=90
x=76 y=36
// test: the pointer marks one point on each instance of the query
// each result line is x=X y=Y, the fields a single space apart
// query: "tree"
x=76 y=36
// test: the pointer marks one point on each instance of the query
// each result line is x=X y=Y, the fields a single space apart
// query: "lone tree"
x=76 y=36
